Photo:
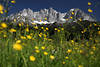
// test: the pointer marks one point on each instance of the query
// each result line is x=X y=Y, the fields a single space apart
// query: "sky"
x=59 y=5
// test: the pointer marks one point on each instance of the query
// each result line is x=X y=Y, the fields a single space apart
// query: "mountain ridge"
x=50 y=15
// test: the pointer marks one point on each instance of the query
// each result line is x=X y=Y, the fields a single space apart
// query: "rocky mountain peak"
x=50 y=16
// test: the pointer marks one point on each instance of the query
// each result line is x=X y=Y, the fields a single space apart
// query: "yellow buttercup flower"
x=58 y=30
x=62 y=28
x=80 y=65
x=81 y=51
x=14 y=20
x=20 y=24
x=1 y=12
x=36 y=47
x=72 y=13
x=99 y=32
x=63 y=62
x=69 y=51
x=71 y=17
x=45 y=35
x=80 y=19
x=5 y=11
x=40 y=35
x=36 y=27
x=52 y=57
x=1 y=7
x=4 y=35
x=66 y=57
x=22 y=37
x=91 y=52
x=18 y=41
x=45 y=18
x=37 y=51
x=40 y=20
x=17 y=46
x=72 y=41
x=89 y=10
x=89 y=3
x=29 y=37
x=3 y=25
x=27 y=29
x=45 y=53
x=55 y=28
x=12 y=30
x=32 y=58
x=13 y=1
x=47 y=29
x=43 y=47
x=42 y=27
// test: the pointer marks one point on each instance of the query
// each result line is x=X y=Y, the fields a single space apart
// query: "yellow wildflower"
x=52 y=57
x=36 y=47
x=91 y=52
x=47 y=29
x=13 y=1
x=81 y=51
x=63 y=62
x=80 y=19
x=55 y=28
x=66 y=57
x=3 y=25
x=45 y=18
x=40 y=35
x=1 y=12
x=5 y=11
x=89 y=3
x=43 y=47
x=69 y=51
x=45 y=53
x=27 y=29
x=29 y=37
x=99 y=32
x=20 y=24
x=4 y=35
x=42 y=27
x=32 y=58
x=58 y=30
x=12 y=30
x=36 y=27
x=1 y=7
x=89 y=10
x=37 y=51
x=40 y=20
x=17 y=47
x=72 y=41
x=80 y=65
x=71 y=17
x=44 y=35
x=22 y=37
x=18 y=41
x=14 y=20
x=94 y=48
x=62 y=28
x=72 y=13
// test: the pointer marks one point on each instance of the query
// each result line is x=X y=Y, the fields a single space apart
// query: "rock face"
x=49 y=16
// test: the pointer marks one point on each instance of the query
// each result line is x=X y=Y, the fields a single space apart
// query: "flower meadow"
x=67 y=45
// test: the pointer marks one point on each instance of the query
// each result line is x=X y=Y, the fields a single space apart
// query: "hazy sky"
x=59 y=5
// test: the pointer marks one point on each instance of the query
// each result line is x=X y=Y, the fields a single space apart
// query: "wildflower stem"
x=24 y=59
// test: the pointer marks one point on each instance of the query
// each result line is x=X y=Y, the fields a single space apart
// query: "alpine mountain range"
x=49 y=16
